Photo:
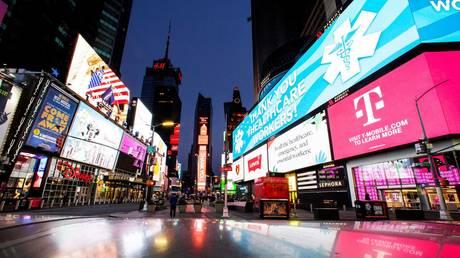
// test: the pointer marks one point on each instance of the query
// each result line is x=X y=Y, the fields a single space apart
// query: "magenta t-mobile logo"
x=366 y=97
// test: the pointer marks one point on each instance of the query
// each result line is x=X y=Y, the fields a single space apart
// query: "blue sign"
x=52 y=122
x=367 y=36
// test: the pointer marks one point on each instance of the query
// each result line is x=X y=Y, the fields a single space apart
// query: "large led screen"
x=53 y=121
x=90 y=153
x=91 y=126
x=159 y=166
x=256 y=164
x=91 y=78
x=133 y=149
x=383 y=114
x=368 y=35
x=305 y=145
x=201 y=169
x=237 y=173
x=9 y=99
x=142 y=121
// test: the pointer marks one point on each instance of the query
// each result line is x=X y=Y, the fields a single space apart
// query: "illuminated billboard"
x=256 y=164
x=201 y=164
x=91 y=126
x=91 y=78
x=53 y=121
x=203 y=131
x=158 y=168
x=9 y=99
x=305 y=145
x=133 y=149
x=237 y=173
x=383 y=114
x=368 y=35
x=142 y=121
x=90 y=153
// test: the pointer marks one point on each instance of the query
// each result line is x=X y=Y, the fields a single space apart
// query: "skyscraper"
x=41 y=35
x=234 y=113
x=200 y=157
x=160 y=94
x=281 y=32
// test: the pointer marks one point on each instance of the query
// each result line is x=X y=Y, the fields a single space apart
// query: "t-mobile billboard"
x=383 y=114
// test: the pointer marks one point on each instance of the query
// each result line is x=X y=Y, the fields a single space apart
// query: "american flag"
x=101 y=80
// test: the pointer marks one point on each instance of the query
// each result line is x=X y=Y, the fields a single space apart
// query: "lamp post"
x=146 y=192
x=443 y=212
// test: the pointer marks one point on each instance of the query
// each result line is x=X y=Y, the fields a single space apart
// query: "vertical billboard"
x=202 y=165
x=203 y=131
x=133 y=149
x=256 y=164
x=92 y=139
x=142 y=124
x=159 y=165
x=368 y=35
x=91 y=78
x=305 y=145
x=53 y=121
x=237 y=173
x=383 y=114
x=9 y=99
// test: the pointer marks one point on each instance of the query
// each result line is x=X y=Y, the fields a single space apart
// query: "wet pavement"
x=141 y=234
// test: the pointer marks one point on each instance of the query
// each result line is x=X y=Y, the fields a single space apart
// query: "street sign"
x=226 y=168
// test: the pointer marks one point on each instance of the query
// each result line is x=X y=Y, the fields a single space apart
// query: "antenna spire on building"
x=167 y=42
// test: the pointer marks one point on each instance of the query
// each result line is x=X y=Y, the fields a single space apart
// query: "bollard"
x=42 y=203
x=76 y=202
x=2 y=205
x=61 y=203
x=311 y=207
x=16 y=207
x=68 y=203
x=29 y=205
x=52 y=203
x=344 y=208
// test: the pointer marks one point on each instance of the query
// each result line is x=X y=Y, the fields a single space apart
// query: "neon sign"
x=72 y=172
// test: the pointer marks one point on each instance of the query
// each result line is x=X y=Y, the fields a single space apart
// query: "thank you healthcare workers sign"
x=367 y=36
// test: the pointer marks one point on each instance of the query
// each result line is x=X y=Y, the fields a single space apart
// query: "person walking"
x=173 y=203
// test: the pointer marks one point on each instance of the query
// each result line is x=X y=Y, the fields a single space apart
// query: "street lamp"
x=443 y=212
x=164 y=124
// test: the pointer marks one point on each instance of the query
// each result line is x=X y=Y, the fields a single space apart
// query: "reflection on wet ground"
x=148 y=237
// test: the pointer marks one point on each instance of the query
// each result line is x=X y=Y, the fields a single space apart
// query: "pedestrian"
x=173 y=203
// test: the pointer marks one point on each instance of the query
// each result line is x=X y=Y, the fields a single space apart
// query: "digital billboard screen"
x=142 y=121
x=90 y=153
x=237 y=173
x=307 y=144
x=256 y=163
x=91 y=78
x=202 y=165
x=368 y=35
x=383 y=114
x=133 y=149
x=9 y=99
x=158 y=168
x=53 y=121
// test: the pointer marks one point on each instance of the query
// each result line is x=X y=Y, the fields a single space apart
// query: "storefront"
x=406 y=183
x=69 y=183
x=119 y=186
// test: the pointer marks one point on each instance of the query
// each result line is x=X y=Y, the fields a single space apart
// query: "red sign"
x=226 y=169
x=383 y=114
x=357 y=244
x=255 y=163
x=237 y=169
x=72 y=172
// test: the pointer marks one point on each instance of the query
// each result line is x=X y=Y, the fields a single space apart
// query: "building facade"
x=41 y=35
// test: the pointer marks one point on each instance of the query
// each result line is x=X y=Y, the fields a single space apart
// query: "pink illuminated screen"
x=383 y=114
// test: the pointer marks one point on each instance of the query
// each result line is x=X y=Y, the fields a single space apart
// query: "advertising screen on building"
x=383 y=114
x=237 y=173
x=9 y=99
x=53 y=121
x=142 y=121
x=305 y=145
x=90 y=153
x=91 y=78
x=368 y=35
x=201 y=172
x=159 y=166
x=134 y=149
x=91 y=126
x=256 y=164
x=3 y=10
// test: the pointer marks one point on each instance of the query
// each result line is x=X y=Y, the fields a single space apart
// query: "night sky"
x=210 y=42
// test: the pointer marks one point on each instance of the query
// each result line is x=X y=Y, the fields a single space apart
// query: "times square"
x=262 y=128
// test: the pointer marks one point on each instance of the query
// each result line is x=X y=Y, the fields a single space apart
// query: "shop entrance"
x=401 y=198
x=450 y=195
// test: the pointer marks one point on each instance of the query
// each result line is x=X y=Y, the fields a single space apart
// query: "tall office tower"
x=281 y=32
x=41 y=35
x=200 y=157
x=160 y=94
x=234 y=113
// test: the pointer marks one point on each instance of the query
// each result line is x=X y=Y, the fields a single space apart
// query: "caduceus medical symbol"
x=350 y=45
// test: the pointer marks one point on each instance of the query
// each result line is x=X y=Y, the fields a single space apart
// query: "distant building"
x=281 y=32
x=200 y=156
x=41 y=35
x=234 y=113
x=160 y=94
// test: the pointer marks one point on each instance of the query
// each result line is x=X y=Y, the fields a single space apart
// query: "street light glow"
x=167 y=123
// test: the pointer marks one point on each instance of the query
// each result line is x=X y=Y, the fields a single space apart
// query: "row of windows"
x=108 y=15
x=103 y=53
x=108 y=25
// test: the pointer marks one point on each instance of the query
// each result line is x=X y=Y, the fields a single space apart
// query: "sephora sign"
x=383 y=114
